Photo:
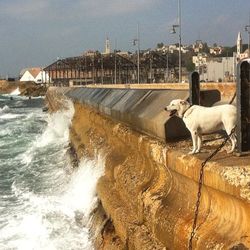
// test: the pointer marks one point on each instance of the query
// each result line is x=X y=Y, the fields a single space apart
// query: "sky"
x=37 y=32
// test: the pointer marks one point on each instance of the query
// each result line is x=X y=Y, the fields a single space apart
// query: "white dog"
x=202 y=120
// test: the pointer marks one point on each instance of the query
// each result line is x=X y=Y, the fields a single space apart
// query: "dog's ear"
x=184 y=102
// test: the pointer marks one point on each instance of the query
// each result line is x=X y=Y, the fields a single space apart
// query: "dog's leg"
x=199 y=143
x=194 y=140
x=233 y=140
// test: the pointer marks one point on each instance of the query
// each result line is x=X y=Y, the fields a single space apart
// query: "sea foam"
x=56 y=132
x=49 y=205
x=4 y=109
x=53 y=222
x=15 y=92
x=58 y=126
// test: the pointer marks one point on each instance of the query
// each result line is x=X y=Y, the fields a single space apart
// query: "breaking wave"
x=4 y=109
x=15 y=92
x=44 y=202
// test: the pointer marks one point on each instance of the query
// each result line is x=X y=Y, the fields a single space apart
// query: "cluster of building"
x=157 y=65
x=220 y=68
x=208 y=60
x=37 y=75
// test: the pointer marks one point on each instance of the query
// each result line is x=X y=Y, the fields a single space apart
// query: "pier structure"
x=110 y=68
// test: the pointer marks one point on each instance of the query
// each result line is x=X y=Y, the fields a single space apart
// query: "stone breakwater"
x=25 y=88
x=148 y=191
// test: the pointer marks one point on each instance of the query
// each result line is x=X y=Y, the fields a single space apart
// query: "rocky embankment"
x=26 y=88
x=149 y=188
x=7 y=87
x=32 y=89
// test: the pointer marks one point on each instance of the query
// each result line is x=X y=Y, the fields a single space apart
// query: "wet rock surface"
x=149 y=188
x=29 y=89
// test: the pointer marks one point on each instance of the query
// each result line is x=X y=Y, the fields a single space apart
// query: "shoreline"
x=28 y=89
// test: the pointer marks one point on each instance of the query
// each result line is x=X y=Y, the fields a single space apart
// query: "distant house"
x=215 y=68
x=172 y=48
x=244 y=55
x=216 y=50
x=200 y=59
x=240 y=55
x=36 y=75
x=221 y=68
x=198 y=46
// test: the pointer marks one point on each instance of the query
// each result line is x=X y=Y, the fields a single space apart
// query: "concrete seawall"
x=149 y=188
x=141 y=109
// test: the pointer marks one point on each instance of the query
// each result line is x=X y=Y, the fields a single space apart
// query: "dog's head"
x=177 y=107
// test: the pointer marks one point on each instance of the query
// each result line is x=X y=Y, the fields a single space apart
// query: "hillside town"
x=214 y=63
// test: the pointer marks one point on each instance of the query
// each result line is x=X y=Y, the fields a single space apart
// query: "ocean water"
x=44 y=202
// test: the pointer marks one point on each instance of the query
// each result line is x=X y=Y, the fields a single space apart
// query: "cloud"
x=116 y=7
x=222 y=19
x=59 y=9
x=24 y=9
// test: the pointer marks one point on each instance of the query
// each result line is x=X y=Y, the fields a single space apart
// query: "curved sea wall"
x=149 y=187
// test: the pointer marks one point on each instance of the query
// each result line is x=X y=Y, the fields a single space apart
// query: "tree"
x=205 y=48
x=174 y=58
x=160 y=45
x=190 y=66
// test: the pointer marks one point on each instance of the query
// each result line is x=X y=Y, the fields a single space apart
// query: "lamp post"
x=101 y=69
x=136 y=41
x=115 y=51
x=173 y=31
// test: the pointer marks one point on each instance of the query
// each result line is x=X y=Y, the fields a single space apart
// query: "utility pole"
x=102 y=69
x=179 y=22
x=150 y=66
x=93 y=69
x=136 y=41
x=173 y=31
x=138 y=59
x=167 y=68
x=115 y=62
x=85 y=70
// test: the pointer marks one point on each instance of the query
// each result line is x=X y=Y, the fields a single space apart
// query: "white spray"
x=15 y=92
x=56 y=219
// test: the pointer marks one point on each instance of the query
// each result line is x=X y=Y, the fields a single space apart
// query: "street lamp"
x=115 y=51
x=136 y=41
x=173 y=31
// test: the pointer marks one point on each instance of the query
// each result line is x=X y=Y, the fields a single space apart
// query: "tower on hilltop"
x=107 y=46
x=239 y=45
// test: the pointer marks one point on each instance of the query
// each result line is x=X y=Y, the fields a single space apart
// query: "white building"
x=241 y=55
x=215 y=68
x=107 y=46
x=239 y=44
x=198 y=46
x=173 y=48
x=200 y=59
x=216 y=50
x=220 y=69
x=36 y=75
